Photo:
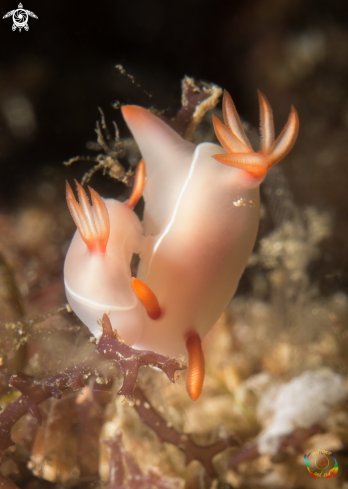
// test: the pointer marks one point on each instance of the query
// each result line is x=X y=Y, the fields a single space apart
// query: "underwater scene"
x=174 y=245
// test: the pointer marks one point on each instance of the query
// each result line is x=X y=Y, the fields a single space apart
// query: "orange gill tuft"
x=240 y=154
x=92 y=222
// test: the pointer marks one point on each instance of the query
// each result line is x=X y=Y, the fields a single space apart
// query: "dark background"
x=295 y=51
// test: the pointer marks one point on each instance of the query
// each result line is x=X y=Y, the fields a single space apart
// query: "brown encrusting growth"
x=121 y=459
x=112 y=151
x=130 y=359
x=184 y=442
x=13 y=295
x=34 y=392
x=197 y=98
x=109 y=346
x=6 y=483
x=296 y=441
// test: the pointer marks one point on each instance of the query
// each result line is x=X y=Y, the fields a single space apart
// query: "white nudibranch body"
x=98 y=281
x=202 y=239
x=200 y=223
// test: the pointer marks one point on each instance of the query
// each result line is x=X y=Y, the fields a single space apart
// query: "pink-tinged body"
x=96 y=283
x=204 y=225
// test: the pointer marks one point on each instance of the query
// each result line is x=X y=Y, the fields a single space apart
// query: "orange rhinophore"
x=146 y=297
x=139 y=184
x=196 y=366
x=92 y=222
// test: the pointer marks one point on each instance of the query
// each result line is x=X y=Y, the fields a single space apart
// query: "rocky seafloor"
x=276 y=362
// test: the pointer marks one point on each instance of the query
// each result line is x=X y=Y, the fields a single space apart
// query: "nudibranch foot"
x=196 y=366
x=139 y=184
x=239 y=151
x=91 y=221
x=147 y=297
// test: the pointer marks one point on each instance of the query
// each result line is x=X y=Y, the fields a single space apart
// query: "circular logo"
x=20 y=17
x=321 y=463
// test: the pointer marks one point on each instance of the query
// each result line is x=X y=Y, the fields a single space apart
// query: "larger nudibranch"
x=201 y=219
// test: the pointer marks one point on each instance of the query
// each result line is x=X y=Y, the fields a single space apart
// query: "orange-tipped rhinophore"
x=139 y=184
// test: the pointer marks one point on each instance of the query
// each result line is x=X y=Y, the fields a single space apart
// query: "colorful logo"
x=321 y=463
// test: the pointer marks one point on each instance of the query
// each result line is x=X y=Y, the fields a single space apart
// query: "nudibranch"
x=200 y=223
x=97 y=272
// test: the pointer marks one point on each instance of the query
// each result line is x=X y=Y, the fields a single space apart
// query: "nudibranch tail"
x=147 y=297
x=92 y=222
x=239 y=151
x=196 y=366
x=139 y=184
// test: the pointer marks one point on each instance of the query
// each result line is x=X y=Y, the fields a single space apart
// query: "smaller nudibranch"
x=97 y=272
